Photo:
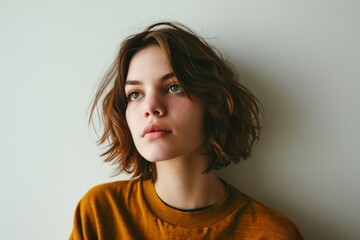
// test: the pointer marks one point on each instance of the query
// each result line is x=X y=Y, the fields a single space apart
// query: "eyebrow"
x=162 y=79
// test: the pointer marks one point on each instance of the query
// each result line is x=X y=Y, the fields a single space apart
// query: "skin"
x=168 y=129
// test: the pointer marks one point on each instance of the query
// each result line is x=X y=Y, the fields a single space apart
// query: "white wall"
x=301 y=58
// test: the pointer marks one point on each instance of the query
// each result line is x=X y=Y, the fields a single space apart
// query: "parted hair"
x=232 y=112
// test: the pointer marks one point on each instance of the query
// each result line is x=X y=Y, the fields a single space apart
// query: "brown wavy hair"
x=232 y=112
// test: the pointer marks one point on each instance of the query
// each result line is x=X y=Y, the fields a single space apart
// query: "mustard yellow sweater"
x=132 y=210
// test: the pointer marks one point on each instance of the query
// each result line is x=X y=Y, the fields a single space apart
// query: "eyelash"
x=130 y=94
x=179 y=90
x=175 y=85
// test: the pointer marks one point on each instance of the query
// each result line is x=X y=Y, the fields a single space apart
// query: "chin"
x=154 y=156
x=155 y=159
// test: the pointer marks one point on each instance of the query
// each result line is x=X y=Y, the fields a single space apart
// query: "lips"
x=154 y=131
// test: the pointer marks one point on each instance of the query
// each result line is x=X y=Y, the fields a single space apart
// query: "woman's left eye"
x=175 y=88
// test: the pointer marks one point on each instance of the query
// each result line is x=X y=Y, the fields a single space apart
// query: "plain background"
x=301 y=58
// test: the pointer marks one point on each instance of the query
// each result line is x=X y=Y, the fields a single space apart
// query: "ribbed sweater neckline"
x=233 y=200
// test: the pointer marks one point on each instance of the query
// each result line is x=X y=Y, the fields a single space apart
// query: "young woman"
x=173 y=111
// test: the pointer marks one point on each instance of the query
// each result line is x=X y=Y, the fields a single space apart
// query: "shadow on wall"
x=272 y=177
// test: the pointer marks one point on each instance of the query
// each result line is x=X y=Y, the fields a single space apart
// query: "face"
x=164 y=122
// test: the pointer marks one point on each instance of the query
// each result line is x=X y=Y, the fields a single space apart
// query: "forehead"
x=147 y=63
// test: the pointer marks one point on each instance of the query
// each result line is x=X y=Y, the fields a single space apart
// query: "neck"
x=183 y=184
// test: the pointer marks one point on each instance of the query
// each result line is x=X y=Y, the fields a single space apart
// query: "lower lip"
x=156 y=135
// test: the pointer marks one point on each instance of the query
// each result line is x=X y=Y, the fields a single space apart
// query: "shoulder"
x=275 y=223
x=108 y=191
x=101 y=203
x=266 y=221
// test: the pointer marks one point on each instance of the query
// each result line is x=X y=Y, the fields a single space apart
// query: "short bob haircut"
x=232 y=112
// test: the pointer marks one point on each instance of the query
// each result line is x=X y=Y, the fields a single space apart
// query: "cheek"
x=193 y=114
x=130 y=119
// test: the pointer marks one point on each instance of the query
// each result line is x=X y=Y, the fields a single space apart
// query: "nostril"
x=154 y=112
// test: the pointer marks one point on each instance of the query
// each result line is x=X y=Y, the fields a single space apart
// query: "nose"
x=154 y=106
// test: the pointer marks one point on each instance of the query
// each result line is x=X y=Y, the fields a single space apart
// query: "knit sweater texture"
x=132 y=210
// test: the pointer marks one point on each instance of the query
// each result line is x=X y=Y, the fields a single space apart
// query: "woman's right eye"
x=133 y=96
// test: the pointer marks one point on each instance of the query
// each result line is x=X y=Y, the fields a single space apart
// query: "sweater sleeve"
x=83 y=227
x=85 y=219
x=101 y=214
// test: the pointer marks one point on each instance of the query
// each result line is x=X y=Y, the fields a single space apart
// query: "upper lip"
x=153 y=127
